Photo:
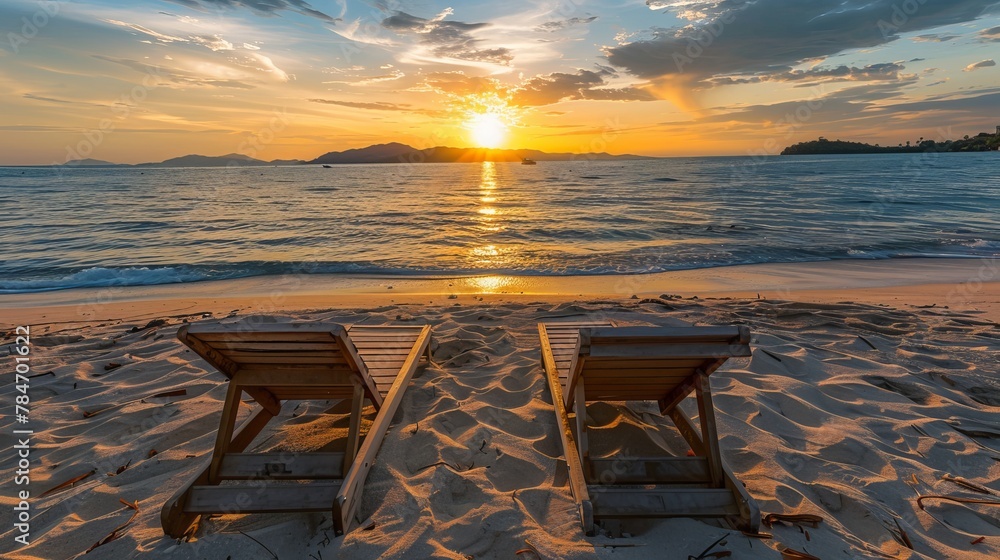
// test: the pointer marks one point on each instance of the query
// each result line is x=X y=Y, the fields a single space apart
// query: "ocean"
x=95 y=227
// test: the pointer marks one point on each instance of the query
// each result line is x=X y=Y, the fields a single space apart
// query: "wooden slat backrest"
x=649 y=363
x=289 y=347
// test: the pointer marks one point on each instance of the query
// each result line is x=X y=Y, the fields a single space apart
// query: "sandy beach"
x=871 y=384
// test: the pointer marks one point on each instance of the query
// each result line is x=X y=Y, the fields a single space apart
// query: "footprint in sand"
x=504 y=398
x=966 y=519
x=854 y=453
x=509 y=422
x=908 y=390
x=985 y=395
x=510 y=473
x=549 y=445
x=453 y=423
x=453 y=495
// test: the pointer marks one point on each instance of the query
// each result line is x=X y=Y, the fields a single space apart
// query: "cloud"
x=262 y=63
x=48 y=99
x=543 y=89
x=550 y=26
x=991 y=35
x=934 y=38
x=368 y=80
x=166 y=76
x=259 y=7
x=374 y=105
x=458 y=83
x=380 y=106
x=353 y=32
x=871 y=73
x=741 y=37
x=584 y=84
x=981 y=64
x=695 y=9
x=146 y=31
x=214 y=42
x=448 y=39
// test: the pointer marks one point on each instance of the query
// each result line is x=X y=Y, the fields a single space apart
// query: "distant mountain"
x=90 y=162
x=378 y=153
x=401 y=153
x=393 y=152
x=207 y=161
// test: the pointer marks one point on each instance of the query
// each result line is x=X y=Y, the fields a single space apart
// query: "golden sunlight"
x=488 y=118
x=488 y=130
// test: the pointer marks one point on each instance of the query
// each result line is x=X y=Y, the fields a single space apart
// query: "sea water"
x=89 y=227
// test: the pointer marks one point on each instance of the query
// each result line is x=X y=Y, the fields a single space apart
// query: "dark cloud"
x=457 y=83
x=380 y=106
x=48 y=99
x=861 y=109
x=870 y=73
x=550 y=26
x=981 y=64
x=978 y=105
x=992 y=34
x=934 y=38
x=740 y=37
x=448 y=39
x=374 y=105
x=260 y=7
x=544 y=89
x=584 y=84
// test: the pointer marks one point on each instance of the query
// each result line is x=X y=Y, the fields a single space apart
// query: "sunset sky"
x=149 y=80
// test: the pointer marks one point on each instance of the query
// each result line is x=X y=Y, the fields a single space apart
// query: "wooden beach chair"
x=302 y=361
x=586 y=362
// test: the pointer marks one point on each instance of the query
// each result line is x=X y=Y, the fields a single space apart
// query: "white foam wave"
x=100 y=277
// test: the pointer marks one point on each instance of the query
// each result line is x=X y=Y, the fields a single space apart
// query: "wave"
x=102 y=277
x=115 y=277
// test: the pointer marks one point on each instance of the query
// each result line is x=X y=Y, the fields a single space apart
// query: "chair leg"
x=353 y=434
x=580 y=405
x=176 y=522
x=709 y=434
x=226 y=425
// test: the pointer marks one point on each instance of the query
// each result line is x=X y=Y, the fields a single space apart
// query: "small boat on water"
x=526 y=161
x=327 y=166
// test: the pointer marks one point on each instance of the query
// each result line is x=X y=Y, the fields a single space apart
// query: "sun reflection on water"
x=490 y=284
x=488 y=220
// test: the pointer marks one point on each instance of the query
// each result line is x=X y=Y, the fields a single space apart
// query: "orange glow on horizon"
x=487 y=118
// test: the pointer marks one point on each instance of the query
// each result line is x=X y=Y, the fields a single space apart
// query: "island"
x=983 y=142
x=393 y=152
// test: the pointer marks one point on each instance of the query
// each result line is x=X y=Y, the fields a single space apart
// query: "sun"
x=488 y=117
x=488 y=130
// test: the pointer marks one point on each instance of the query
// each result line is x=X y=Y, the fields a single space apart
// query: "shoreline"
x=846 y=411
x=868 y=385
x=971 y=283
